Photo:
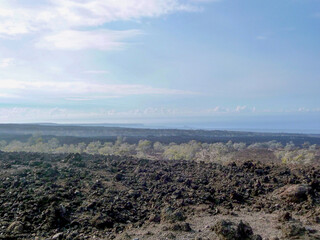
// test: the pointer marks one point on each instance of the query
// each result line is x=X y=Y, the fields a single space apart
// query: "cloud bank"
x=63 y=115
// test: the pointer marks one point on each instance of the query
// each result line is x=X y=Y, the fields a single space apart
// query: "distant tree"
x=239 y=146
x=229 y=144
x=271 y=145
x=53 y=143
x=93 y=147
x=158 y=147
x=185 y=151
x=290 y=146
x=126 y=149
x=120 y=140
x=107 y=149
x=3 y=143
x=144 y=146
x=15 y=146
x=81 y=147
x=62 y=149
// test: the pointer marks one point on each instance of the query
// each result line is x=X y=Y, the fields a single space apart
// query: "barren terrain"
x=73 y=196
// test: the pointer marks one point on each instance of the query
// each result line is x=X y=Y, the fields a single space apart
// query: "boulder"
x=185 y=227
x=171 y=215
x=294 y=193
x=101 y=222
x=227 y=230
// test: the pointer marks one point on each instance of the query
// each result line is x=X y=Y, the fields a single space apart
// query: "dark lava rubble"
x=77 y=196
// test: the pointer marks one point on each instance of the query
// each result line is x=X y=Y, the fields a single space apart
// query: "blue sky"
x=156 y=61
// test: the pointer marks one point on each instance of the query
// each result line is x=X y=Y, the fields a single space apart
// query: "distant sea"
x=308 y=123
x=215 y=126
x=201 y=126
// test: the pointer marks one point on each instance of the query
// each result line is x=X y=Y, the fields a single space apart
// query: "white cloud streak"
x=6 y=62
x=78 y=40
x=66 y=14
x=26 y=114
x=87 y=90
x=98 y=12
x=96 y=72
x=61 y=114
x=237 y=109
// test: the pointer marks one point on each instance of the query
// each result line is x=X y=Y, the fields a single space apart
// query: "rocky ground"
x=45 y=196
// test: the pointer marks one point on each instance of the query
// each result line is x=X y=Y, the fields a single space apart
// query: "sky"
x=161 y=61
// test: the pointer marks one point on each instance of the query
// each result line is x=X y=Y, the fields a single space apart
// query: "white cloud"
x=63 y=115
x=303 y=109
x=86 y=90
x=14 y=21
x=216 y=109
x=6 y=62
x=26 y=114
x=12 y=28
x=96 y=72
x=7 y=95
x=237 y=109
x=241 y=108
x=62 y=15
x=79 y=40
x=97 y=12
x=58 y=21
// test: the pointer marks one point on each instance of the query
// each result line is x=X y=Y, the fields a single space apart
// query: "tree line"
x=193 y=150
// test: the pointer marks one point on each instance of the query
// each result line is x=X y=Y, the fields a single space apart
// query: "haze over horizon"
x=228 y=63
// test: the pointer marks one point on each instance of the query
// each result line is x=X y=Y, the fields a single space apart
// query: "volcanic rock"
x=15 y=227
x=294 y=193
